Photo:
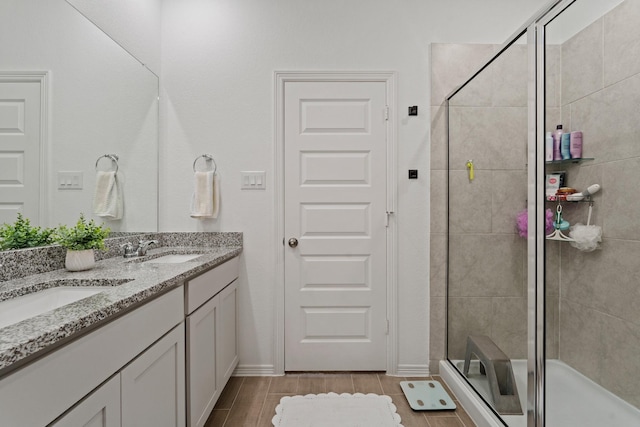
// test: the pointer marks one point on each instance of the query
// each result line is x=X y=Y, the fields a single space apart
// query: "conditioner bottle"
x=576 y=145
x=557 y=137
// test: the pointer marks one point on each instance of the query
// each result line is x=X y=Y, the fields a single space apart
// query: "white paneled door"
x=19 y=150
x=335 y=157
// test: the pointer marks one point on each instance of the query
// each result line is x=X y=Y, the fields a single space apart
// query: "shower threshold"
x=573 y=400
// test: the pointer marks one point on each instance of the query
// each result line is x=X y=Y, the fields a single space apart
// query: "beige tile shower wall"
x=600 y=291
x=487 y=293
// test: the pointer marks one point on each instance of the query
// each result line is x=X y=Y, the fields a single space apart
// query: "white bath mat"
x=336 y=410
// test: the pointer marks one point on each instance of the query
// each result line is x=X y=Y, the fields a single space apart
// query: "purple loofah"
x=522 y=221
x=549 y=226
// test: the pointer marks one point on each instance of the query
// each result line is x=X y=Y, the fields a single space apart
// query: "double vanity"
x=144 y=341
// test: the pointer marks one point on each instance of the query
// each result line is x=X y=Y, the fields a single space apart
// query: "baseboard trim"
x=413 y=371
x=254 y=371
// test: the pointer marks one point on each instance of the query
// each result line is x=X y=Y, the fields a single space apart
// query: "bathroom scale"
x=427 y=396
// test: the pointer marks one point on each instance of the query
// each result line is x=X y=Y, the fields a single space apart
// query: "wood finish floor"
x=251 y=401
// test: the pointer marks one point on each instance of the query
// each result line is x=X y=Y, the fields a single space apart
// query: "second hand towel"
x=205 y=202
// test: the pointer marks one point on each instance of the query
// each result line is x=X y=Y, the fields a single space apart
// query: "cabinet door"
x=100 y=409
x=153 y=391
x=226 y=334
x=202 y=386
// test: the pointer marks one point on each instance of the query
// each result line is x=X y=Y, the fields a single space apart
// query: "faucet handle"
x=129 y=250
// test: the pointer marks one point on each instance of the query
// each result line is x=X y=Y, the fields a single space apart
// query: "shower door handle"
x=293 y=242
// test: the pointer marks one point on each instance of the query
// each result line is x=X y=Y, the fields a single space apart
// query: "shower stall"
x=541 y=330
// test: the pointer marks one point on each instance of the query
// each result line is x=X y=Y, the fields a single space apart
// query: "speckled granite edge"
x=26 y=338
x=206 y=239
x=25 y=262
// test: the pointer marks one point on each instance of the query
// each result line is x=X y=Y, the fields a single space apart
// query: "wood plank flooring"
x=251 y=401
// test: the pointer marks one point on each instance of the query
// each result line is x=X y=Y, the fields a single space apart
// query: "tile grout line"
x=264 y=401
x=233 y=402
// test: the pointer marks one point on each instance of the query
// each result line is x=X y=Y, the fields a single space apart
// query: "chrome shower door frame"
x=536 y=209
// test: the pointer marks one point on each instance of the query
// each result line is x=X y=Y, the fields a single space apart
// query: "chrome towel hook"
x=208 y=158
x=114 y=159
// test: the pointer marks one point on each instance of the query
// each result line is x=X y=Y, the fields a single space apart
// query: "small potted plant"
x=21 y=234
x=80 y=241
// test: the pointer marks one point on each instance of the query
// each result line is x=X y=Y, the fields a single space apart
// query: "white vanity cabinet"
x=212 y=350
x=153 y=392
x=100 y=409
x=149 y=340
x=148 y=392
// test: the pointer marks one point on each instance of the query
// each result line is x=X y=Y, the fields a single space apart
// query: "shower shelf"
x=585 y=200
x=568 y=161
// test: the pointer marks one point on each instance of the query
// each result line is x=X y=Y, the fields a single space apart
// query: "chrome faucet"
x=130 y=251
x=143 y=245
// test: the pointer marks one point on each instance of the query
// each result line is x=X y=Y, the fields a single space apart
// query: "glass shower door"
x=487 y=247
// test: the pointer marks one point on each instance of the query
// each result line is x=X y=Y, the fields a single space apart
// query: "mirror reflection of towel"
x=205 y=202
x=107 y=197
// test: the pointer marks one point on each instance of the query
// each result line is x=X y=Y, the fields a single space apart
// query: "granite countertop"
x=129 y=282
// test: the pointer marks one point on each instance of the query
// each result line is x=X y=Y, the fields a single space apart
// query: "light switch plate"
x=253 y=180
x=70 y=180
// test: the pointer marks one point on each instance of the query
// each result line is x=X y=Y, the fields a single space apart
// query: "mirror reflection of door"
x=20 y=148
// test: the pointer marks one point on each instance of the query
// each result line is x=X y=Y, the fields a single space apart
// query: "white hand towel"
x=107 y=197
x=205 y=202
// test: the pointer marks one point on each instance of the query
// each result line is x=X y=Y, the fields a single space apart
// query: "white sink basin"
x=18 y=309
x=173 y=259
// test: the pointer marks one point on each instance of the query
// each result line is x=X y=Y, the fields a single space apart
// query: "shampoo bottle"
x=565 y=145
x=576 y=145
x=557 y=135
x=548 y=147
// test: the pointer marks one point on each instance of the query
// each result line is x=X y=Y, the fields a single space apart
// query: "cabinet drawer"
x=200 y=289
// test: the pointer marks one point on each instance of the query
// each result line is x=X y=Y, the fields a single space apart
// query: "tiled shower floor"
x=251 y=401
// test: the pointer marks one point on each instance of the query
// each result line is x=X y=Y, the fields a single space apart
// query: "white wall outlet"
x=70 y=180
x=253 y=180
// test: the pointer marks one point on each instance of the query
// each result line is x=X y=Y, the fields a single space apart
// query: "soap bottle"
x=557 y=136
x=548 y=147
x=565 y=146
x=576 y=145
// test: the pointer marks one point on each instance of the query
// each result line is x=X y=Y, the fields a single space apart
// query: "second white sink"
x=18 y=309
x=173 y=258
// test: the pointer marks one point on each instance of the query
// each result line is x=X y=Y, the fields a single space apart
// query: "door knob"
x=293 y=242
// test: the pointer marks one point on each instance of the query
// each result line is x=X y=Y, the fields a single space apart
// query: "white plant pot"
x=80 y=260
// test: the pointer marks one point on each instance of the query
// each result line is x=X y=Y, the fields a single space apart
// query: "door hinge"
x=387 y=331
x=386 y=112
x=389 y=213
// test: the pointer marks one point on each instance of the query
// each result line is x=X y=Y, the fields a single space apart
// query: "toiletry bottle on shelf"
x=565 y=146
x=576 y=145
x=557 y=135
x=548 y=147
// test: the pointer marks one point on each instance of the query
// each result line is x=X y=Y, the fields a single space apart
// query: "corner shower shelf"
x=568 y=161
x=587 y=199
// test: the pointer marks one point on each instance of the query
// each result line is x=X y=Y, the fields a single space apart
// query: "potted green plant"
x=21 y=234
x=80 y=241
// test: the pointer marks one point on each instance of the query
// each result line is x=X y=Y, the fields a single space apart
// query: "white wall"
x=135 y=25
x=218 y=60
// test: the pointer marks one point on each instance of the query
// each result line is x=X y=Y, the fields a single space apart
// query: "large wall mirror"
x=69 y=95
